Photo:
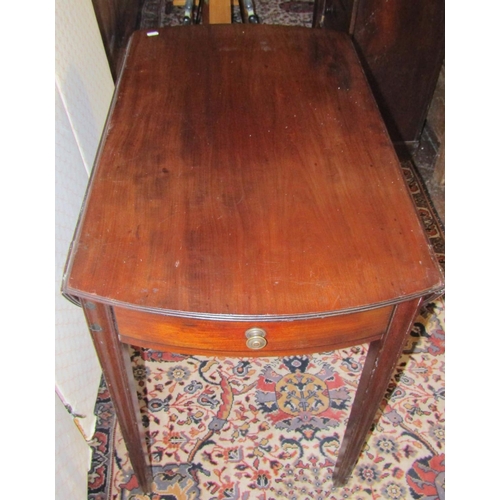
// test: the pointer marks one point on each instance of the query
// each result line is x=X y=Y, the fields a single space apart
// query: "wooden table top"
x=245 y=172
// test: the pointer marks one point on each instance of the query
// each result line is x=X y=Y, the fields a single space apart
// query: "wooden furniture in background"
x=401 y=47
x=117 y=20
x=264 y=214
x=436 y=123
x=338 y=14
x=402 y=50
x=219 y=11
x=213 y=11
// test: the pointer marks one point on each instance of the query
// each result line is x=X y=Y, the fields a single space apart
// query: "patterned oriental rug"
x=270 y=428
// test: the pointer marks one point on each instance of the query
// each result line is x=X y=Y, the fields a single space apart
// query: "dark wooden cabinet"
x=117 y=20
x=401 y=47
x=339 y=14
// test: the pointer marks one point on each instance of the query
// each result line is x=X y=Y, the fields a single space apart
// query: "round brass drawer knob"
x=255 y=338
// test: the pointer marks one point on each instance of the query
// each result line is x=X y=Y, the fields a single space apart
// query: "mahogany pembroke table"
x=246 y=201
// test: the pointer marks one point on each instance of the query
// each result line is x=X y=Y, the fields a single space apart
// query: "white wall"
x=83 y=92
x=71 y=457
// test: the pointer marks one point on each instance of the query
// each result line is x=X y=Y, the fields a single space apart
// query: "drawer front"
x=243 y=338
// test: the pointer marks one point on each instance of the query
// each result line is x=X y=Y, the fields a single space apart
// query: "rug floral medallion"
x=270 y=428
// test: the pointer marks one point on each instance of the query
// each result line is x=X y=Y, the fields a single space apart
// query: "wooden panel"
x=117 y=19
x=401 y=45
x=105 y=12
x=273 y=190
x=436 y=122
x=184 y=335
x=338 y=14
x=219 y=11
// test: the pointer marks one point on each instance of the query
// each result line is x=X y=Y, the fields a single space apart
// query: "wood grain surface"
x=245 y=173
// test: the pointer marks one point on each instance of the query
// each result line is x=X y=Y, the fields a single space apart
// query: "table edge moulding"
x=246 y=201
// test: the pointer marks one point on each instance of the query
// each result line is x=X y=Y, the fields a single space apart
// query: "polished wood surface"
x=245 y=182
x=252 y=190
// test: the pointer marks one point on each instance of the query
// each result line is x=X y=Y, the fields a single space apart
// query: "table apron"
x=227 y=338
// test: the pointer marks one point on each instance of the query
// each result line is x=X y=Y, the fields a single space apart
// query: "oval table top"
x=245 y=172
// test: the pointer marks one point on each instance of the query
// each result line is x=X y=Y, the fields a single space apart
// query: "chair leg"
x=318 y=13
x=248 y=14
